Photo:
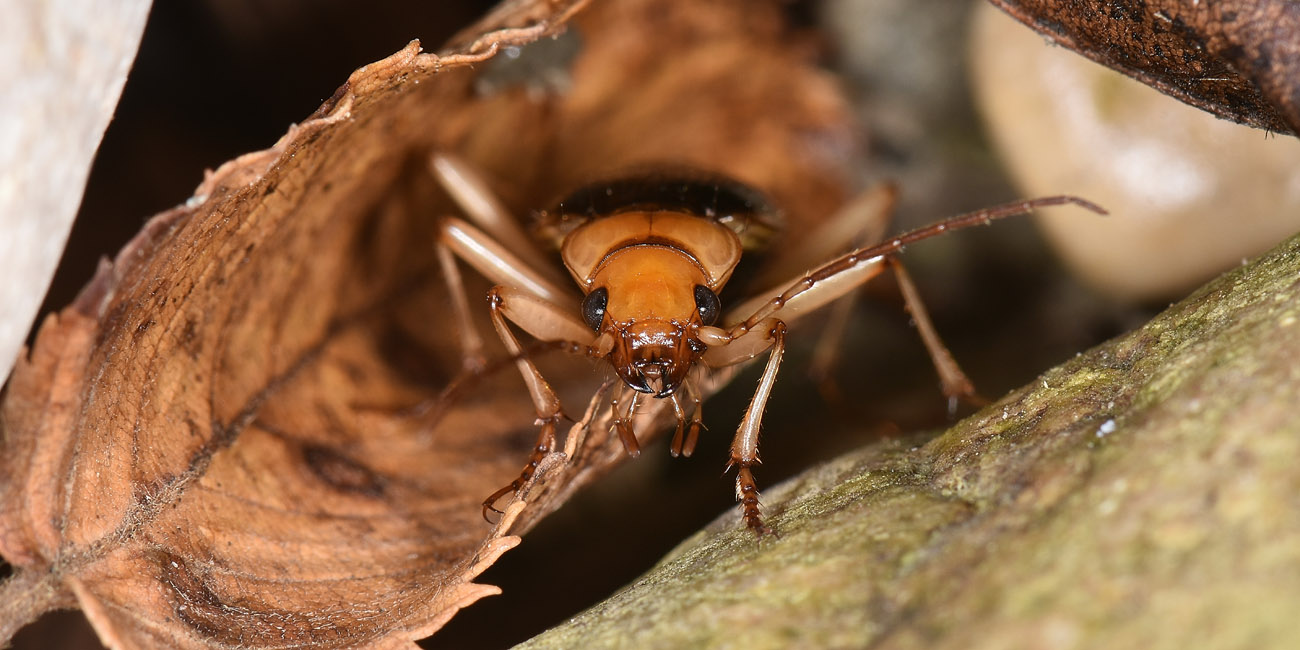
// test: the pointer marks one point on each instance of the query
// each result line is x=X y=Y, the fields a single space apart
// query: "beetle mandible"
x=650 y=253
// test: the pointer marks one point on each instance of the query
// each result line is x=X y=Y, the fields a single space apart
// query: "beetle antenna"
x=468 y=378
x=979 y=217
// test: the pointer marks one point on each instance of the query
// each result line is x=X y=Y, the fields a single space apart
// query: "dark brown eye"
x=593 y=307
x=707 y=303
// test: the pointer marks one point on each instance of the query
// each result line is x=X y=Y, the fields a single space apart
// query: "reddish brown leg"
x=507 y=302
x=545 y=445
x=744 y=449
x=861 y=222
x=829 y=348
x=747 y=495
x=956 y=385
x=471 y=344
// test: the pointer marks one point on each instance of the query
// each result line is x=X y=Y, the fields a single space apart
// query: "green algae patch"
x=1141 y=495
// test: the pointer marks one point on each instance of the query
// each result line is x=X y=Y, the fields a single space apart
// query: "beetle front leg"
x=744 y=447
x=547 y=322
x=545 y=444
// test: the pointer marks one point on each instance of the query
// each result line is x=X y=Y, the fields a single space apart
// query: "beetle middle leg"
x=765 y=324
x=503 y=253
x=524 y=295
x=956 y=385
x=864 y=221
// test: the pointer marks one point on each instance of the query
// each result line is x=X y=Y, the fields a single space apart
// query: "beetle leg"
x=679 y=433
x=457 y=238
x=861 y=222
x=956 y=385
x=828 y=283
x=828 y=349
x=470 y=191
x=545 y=445
x=744 y=448
x=844 y=273
x=471 y=344
x=807 y=292
x=544 y=321
x=547 y=322
x=697 y=420
x=693 y=431
x=495 y=262
x=726 y=350
x=573 y=443
x=741 y=343
x=504 y=254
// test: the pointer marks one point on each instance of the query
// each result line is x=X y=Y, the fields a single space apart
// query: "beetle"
x=649 y=253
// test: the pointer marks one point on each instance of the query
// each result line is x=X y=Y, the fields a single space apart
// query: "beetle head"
x=653 y=357
x=650 y=300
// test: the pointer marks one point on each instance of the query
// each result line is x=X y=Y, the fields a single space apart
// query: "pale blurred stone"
x=1190 y=195
x=62 y=67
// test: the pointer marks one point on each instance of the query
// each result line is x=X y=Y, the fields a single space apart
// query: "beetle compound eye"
x=707 y=303
x=593 y=307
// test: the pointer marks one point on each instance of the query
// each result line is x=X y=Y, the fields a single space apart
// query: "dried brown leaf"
x=1238 y=59
x=240 y=434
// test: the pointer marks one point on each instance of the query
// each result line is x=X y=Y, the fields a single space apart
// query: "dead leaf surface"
x=238 y=435
x=1238 y=59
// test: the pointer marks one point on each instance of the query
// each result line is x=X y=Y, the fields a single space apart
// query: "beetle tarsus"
x=747 y=495
x=545 y=445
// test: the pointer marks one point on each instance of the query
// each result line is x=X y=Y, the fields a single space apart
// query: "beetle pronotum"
x=650 y=254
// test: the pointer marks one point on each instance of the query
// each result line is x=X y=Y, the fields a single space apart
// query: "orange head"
x=650 y=298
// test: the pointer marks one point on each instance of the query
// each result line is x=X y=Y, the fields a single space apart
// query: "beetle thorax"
x=646 y=275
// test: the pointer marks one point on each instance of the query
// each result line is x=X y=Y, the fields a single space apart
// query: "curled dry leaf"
x=1238 y=59
x=250 y=430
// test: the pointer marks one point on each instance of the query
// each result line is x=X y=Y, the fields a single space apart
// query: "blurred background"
x=219 y=78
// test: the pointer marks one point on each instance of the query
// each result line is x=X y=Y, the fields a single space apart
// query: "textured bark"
x=1238 y=59
x=1140 y=495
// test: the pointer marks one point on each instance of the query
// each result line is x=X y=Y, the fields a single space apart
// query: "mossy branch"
x=1140 y=495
